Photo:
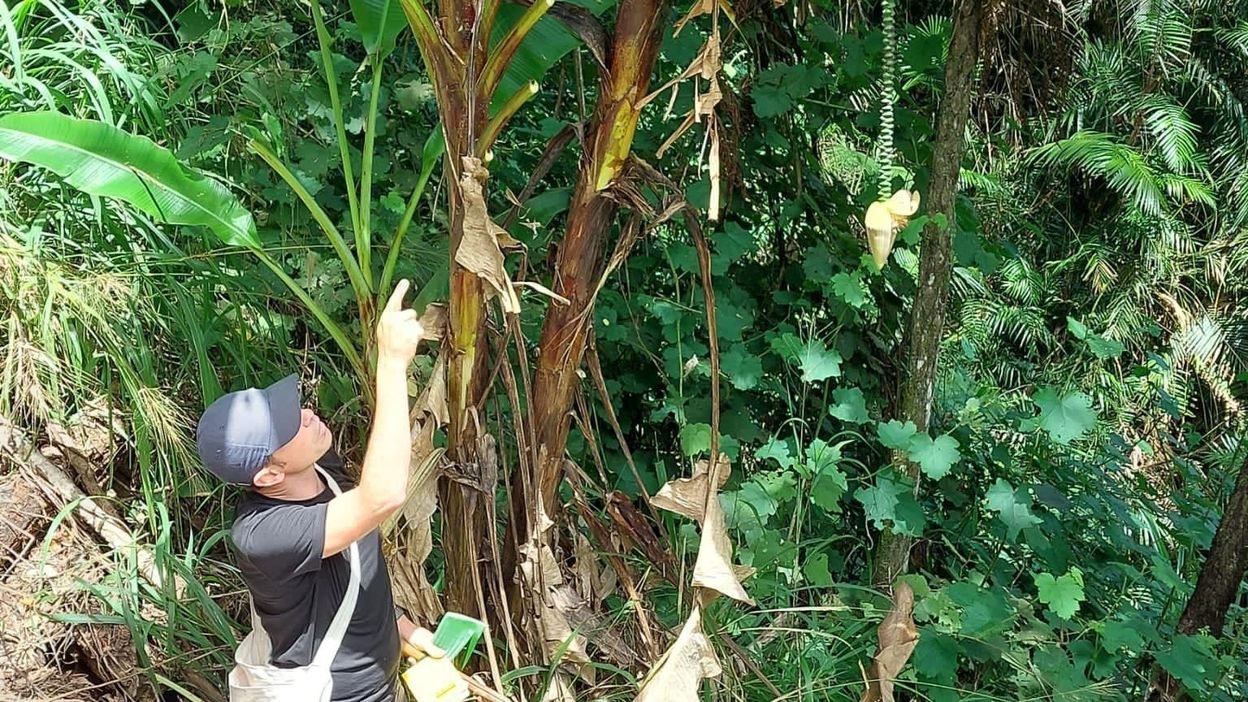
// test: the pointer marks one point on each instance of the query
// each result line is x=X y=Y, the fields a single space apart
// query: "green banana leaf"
x=379 y=22
x=102 y=160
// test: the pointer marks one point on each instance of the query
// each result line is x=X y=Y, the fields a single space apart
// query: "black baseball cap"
x=240 y=431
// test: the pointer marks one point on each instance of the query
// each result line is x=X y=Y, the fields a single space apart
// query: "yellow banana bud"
x=884 y=218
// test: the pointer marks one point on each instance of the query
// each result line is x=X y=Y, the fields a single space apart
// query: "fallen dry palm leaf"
x=898 y=637
x=680 y=671
x=480 y=250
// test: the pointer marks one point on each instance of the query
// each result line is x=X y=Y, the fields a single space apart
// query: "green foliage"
x=1094 y=350
x=1062 y=594
x=1011 y=507
x=1064 y=417
x=100 y=159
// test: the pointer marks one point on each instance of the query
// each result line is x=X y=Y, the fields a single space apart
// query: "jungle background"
x=1006 y=465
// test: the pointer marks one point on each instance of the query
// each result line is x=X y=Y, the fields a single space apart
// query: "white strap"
x=338 y=627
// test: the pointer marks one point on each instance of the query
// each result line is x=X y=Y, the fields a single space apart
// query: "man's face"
x=301 y=452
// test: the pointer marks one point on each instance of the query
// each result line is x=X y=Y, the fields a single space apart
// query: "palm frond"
x=1102 y=155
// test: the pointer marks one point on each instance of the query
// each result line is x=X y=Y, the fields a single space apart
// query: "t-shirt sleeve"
x=284 y=542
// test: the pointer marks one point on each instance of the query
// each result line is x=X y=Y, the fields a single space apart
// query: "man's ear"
x=268 y=476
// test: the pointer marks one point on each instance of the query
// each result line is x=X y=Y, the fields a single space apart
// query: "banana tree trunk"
x=927 y=317
x=453 y=45
x=581 y=257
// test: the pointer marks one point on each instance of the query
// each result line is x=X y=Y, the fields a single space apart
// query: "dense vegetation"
x=1062 y=493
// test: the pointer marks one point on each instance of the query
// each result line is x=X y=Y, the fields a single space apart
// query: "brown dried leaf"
x=556 y=605
x=559 y=689
x=714 y=570
x=898 y=637
x=585 y=563
x=713 y=166
x=540 y=567
x=560 y=299
x=702 y=7
x=706 y=64
x=434 y=321
x=433 y=399
x=479 y=250
x=422 y=491
x=680 y=671
x=687 y=496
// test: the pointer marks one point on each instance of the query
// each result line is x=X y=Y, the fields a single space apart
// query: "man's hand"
x=417 y=641
x=388 y=459
x=421 y=645
x=399 y=330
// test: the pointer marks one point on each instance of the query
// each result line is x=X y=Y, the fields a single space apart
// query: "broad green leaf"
x=1119 y=635
x=733 y=242
x=819 y=363
x=816 y=570
x=822 y=457
x=780 y=485
x=1100 y=346
x=379 y=22
x=1062 y=594
x=895 y=434
x=1014 y=512
x=695 y=439
x=816 y=361
x=1079 y=329
x=936 y=655
x=787 y=346
x=1104 y=348
x=984 y=609
x=1065 y=418
x=908 y=517
x=934 y=456
x=759 y=501
x=777 y=450
x=850 y=406
x=830 y=484
x=828 y=489
x=850 y=288
x=880 y=501
x=100 y=159
x=1191 y=660
x=744 y=370
x=548 y=41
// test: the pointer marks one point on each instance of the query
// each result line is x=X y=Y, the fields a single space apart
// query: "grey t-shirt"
x=296 y=592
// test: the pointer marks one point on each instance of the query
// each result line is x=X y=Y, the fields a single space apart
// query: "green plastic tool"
x=458 y=635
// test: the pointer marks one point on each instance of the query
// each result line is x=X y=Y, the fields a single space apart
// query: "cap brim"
x=285 y=409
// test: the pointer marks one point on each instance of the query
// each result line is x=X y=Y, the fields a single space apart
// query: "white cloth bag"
x=253 y=679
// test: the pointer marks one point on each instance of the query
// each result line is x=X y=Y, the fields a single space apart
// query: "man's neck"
x=304 y=485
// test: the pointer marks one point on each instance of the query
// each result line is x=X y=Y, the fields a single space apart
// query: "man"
x=290 y=531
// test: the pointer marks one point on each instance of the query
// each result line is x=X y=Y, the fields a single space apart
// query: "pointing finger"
x=395 y=302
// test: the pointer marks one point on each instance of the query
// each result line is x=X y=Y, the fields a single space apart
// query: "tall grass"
x=101 y=307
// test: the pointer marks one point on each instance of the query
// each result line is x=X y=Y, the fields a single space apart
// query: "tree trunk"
x=454 y=51
x=580 y=261
x=927 y=317
x=1225 y=568
x=1224 y=571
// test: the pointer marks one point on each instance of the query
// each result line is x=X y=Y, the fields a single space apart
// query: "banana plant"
x=104 y=161
x=379 y=23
